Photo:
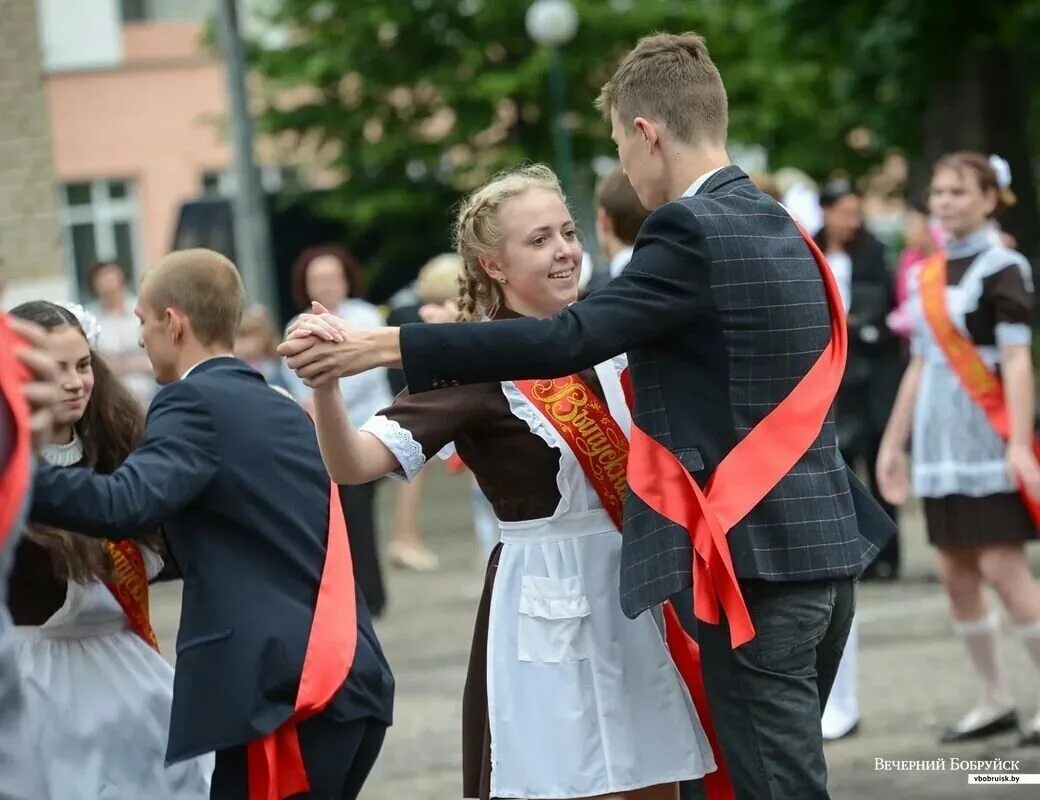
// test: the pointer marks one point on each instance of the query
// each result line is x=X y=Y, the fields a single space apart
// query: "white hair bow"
x=87 y=321
x=1003 y=170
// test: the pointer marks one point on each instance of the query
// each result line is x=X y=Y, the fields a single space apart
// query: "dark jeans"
x=767 y=696
x=338 y=757
x=359 y=511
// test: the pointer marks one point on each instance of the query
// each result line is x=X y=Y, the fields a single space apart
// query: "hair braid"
x=479 y=232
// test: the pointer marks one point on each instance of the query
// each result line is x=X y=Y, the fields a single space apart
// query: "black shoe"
x=1007 y=722
x=1031 y=739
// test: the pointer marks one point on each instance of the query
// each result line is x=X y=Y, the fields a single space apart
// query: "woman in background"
x=330 y=275
x=874 y=364
x=967 y=397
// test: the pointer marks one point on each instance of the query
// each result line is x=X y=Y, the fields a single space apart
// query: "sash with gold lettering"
x=130 y=588
x=275 y=762
x=980 y=382
x=601 y=448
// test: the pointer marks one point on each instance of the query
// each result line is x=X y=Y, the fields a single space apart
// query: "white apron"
x=98 y=703
x=582 y=700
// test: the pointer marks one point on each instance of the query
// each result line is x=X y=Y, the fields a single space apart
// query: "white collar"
x=697 y=184
x=63 y=455
x=620 y=260
x=191 y=369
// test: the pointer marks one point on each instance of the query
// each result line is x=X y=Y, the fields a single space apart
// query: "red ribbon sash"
x=130 y=588
x=275 y=763
x=980 y=382
x=746 y=475
x=602 y=450
x=14 y=475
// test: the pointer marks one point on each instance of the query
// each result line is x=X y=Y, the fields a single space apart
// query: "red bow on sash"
x=276 y=768
x=980 y=382
x=14 y=475
x=746 y=475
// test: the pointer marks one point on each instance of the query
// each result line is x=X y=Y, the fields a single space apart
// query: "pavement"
x=913 y=675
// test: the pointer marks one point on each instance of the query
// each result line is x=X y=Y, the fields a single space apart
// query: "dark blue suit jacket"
x=232 y=471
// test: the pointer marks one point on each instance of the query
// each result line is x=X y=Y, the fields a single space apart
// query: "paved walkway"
x=913 y=675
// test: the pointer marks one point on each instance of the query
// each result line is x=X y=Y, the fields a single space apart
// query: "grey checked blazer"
x=721 y=311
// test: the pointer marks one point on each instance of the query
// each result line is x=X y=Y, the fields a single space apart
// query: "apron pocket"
x=552 y=627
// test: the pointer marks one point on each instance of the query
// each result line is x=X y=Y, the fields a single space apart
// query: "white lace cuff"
x=400 y=442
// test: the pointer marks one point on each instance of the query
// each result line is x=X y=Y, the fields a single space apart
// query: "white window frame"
x=102 y=213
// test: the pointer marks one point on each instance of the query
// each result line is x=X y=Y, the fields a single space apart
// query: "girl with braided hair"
x=565 y=696
x=98 y=693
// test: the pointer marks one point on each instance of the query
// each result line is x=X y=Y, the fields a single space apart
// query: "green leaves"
x=440 y=93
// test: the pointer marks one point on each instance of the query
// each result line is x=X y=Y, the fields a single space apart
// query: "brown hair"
x=351 y=272
x=479 y=232
x=671 y=78
x=619 y=200
x=111 y=427
x=100 y=266
x=203 y=285
x=978 y=165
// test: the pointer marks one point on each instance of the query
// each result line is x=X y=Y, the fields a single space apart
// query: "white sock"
x=1029 y=633
x=980 y=637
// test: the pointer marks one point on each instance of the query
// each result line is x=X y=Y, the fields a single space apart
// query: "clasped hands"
x=321 y=348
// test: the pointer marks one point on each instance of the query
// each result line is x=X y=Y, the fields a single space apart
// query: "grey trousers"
x=767 y=696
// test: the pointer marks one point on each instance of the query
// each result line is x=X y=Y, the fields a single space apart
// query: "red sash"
x=601 y=448
x=454 y=464
x=130 y=588
x=276 y=768
x=746 y=475
x=980 y=382
x=14 y=475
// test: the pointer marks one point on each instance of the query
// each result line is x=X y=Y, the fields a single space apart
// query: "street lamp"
x=552 y=23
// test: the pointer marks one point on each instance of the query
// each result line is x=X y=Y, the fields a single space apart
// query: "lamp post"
x=251 y=226
x=553 y=23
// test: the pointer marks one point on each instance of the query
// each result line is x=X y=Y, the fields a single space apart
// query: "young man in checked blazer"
x=722 y=312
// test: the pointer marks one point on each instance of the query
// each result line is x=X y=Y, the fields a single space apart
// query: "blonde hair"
x=439 y=277
x=670 y=77
x=256 y=321
x=204 y=286
x=479 y=232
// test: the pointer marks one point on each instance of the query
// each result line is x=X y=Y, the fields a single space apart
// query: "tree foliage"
x=415 y=101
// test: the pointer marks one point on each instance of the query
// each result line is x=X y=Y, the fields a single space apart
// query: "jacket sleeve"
x=176 y=461
x=663 y=287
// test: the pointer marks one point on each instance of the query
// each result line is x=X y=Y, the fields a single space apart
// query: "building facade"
x=30 y=243
x=137 y=104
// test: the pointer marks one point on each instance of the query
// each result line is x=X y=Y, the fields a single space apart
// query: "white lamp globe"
x=551 y=22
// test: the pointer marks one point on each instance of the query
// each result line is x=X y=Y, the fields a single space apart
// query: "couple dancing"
x=278 y=668
x=734 y=337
